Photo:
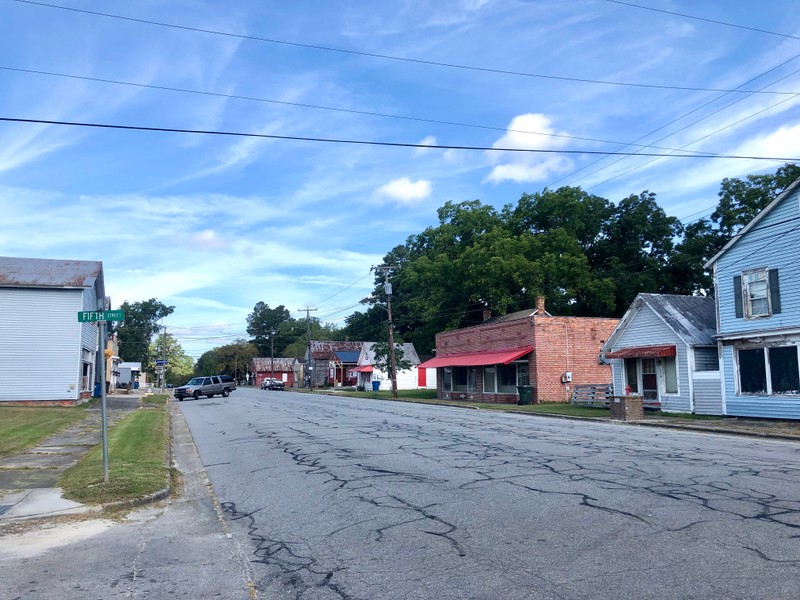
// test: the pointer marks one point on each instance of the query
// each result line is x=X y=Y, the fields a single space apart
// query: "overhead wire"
x=378 y=143
x=319 y=47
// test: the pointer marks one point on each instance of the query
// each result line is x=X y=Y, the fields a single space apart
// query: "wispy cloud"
x=405 y=191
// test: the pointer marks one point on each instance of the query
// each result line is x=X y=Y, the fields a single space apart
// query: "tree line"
x=585 y=254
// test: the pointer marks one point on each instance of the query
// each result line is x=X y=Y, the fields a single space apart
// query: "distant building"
x=407 y=379
x=46 y=355
x=332 y=362
x=284 y=369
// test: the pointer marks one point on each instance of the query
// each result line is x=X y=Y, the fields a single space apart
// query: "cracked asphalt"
x=350 y=499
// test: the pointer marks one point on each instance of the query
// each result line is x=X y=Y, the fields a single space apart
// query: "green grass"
x=25 y=426
x=137 y=450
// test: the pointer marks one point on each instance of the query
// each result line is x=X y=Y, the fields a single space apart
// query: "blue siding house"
x=757 y=282
x=664 y=350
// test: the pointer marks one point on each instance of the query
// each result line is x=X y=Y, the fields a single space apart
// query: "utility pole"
x=163 y=356
x=387 y=288
x=308 y=344
x=272 y=353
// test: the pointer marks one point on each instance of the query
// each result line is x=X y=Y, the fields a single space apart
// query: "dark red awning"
x=363 y=369
x=643 y=352
x=477 y=359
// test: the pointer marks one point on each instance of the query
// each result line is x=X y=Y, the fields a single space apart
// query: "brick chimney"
x=540 y=306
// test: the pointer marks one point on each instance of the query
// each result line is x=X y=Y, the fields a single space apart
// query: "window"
x=507 y=379
x=756 y=293
x=447 y=379
x=752 y=371
x=464 y=379
x=784 y=374
x=670 y=375
x=706 y=359
x=504 y=379
x=489 y=379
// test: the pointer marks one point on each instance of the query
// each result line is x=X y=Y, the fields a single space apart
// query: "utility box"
x=626 y=408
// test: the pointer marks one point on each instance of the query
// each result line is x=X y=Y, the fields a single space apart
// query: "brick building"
x=486 y=362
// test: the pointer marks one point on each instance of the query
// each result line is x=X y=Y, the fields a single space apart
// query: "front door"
x=649 y=380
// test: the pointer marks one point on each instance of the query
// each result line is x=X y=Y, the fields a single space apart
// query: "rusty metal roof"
x=46 y=272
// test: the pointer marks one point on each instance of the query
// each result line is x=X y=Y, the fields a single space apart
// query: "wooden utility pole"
x=308 y=344
x=387 y=288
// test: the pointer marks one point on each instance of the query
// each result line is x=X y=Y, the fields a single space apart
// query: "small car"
x=272 y=384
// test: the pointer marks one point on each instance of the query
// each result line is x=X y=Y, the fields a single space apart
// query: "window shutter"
x=774 y=291
x=737 y=296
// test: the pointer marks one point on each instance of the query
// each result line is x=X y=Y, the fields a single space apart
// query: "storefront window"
x=507 y=379
x=489 y=379
x=447 y=379
x=464 y=379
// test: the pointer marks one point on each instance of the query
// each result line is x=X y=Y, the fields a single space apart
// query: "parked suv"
x=204 y=386
x=230 y=381
x=272 y=384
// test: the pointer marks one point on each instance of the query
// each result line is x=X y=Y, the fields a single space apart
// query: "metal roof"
x=281 y=364
x=693 y=318
x=46 y=272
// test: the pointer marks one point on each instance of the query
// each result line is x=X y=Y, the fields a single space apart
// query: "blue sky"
x=214 y=224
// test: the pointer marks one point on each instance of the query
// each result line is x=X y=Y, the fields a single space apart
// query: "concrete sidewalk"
x=28 y=481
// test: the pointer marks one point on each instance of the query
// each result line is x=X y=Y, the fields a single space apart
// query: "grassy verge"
x=25 y=426
x=137 y=450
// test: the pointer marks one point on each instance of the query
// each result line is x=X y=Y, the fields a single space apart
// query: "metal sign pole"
x=103 y=400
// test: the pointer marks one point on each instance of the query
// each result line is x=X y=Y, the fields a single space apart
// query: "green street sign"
x=101 y=315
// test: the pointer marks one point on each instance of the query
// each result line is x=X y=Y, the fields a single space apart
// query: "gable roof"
x=50 y=273
x=692 y=318
x=281 y=364
x=766 y=210
x=325 y=349
x=367 y=356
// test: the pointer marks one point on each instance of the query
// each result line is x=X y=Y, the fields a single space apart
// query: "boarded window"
x=784 y=374
x=752 y=371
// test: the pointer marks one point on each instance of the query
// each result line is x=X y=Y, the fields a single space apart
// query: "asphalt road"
x=356 y=499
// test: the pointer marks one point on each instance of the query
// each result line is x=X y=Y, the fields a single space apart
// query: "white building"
x=46 y=354
x=407 y=379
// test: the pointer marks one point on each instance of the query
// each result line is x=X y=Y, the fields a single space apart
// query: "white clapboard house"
x=46 y=355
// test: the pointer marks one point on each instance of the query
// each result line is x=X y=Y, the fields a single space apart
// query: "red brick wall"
x=569 y=344
x=561 y=344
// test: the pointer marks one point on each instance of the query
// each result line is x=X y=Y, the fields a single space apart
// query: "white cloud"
x=209 y=240
x=405 y=191
x=528 y=131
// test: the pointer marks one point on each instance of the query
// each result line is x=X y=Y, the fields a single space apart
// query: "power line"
x=385 y=144
x=377 y=55
x=696 y=18
x=329 y=108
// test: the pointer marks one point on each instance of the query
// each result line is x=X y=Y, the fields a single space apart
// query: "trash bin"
x=525 y=394
x=97 y=390
x=376 y=386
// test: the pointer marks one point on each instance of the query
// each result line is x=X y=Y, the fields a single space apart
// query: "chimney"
x=540 y=306
x=487 y=314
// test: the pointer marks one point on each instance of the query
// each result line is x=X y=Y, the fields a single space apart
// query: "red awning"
x=364 y=369
x=643 y=352
x=477 y=359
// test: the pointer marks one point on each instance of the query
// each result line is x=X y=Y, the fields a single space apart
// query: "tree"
x=140 y=325
x=383 y=360
x=365 y=326
x=261 y=324
x=180 y=367
x=235 y=359
x=208 y=363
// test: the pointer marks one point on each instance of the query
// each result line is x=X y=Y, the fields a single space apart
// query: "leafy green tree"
x=208 y=363
x=140 y=325
x=180 y=367
x=235 y=359
x=366 y=326
x=383 y=359
x=261 y=324
x=319 y=331
x=741 y=200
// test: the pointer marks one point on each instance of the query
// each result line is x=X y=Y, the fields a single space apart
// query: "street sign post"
x=86 y=316
x=160 y=361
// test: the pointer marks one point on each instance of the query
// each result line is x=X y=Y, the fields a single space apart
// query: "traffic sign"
x=160 y=361
x=101 y=315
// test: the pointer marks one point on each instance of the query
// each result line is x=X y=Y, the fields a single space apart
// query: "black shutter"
x=774 y=291
x=737 y=296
